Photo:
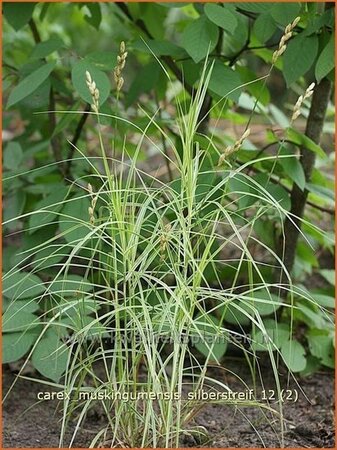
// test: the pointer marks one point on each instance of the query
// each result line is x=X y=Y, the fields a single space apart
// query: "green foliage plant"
x=136 y=263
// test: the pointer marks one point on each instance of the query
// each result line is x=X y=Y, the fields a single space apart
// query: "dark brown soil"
x=29 y=423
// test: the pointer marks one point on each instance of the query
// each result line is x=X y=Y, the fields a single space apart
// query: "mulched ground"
x=28 y=423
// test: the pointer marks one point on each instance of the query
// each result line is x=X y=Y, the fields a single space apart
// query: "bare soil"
x=309 y=422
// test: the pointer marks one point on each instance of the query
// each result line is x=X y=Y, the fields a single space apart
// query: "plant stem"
x=298 y=197
x=75 y=139
x=54 y=141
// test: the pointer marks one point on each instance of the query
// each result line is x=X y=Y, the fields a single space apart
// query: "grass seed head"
x=94 y=91
x=310 y=90
x=297 y=107
x=120 y=83
x=88 y=77
x=288 y=32
x=233 y=148
x=91 y=215
x=121 y=60
x=93 y=203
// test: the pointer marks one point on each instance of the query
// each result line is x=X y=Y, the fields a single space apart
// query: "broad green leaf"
x=92 y=327
x=13 y=155
x=326 y=194
x=103 y=60
x=145 y=80
x=321 y=346
x=256 y=7
x=313 y=365
x=257 y=88
x=42 y=236
x=47 y=257
x=327 y=18
x=319 y=178
x=299 y=56
x=305 y=252
x=45 y=48
x=44 y=11
x=324 y=300
x=293 y=355
x=39 y=98
x=326 y=239
x=70 y=286
x=264 y=27
x=95 y=17
x=50 y=357
x=159 y=48
x=21 y=285
x=81 y=307
x=221 y=16
x=18 y=14
x=14 y=206
x=265 y=303
x=30 y=67
x=78 y=78
x=46 y=209
x=284 y=14
x=311 y=317
x=190 y=71
x=211 y=342
x=278 y=333
x=225 y=82
x=173 y=5
x=26 y=305
x=303 y=140
x=292 y=167
x=264 y=229
x=6 y=83
x=248 y=102
x=16 y=345
x=14 y=320
x=279 y=194
x=8 y=252
x=154 y=15
x=74 y=217
x=235 y=313
x=29 y=84
x=242 y=188
x=66 y=119
x=200 y=38
x=326 y=60
x=328 y=275
x=279 y=117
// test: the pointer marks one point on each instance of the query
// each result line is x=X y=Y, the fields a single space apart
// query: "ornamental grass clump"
x=152 y=243
x=145 y=250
